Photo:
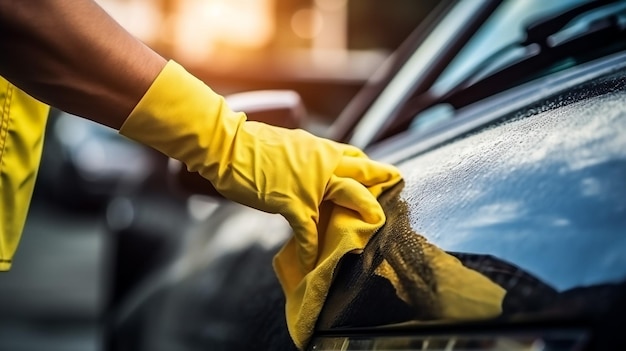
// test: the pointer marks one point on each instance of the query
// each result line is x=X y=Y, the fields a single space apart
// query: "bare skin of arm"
x=72 y=55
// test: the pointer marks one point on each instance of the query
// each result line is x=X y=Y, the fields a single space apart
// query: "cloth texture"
x=401 y=277
x=340 y=231
x=22 y=125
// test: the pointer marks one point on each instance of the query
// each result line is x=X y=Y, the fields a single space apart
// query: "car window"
x=414 y=69
x=535 y=201
x=543 y=190
x=500 y=33
x=506 y=26
x=496 y=43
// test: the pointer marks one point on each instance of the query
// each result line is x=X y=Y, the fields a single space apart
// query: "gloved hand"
x=272 y=169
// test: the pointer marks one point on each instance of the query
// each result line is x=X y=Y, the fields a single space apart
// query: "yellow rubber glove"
x=269 y=168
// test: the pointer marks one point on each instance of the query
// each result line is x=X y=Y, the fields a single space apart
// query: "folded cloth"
x=434 y=284
x=340 y=231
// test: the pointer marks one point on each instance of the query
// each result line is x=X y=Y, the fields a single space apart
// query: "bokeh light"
x=307 y=23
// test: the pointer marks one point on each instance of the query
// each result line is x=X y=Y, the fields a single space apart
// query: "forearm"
x=72 y=55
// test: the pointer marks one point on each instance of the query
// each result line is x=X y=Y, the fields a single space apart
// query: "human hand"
x=273 y=169
x=291 y=172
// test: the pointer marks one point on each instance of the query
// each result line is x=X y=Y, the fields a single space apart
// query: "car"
x=507 y=120
x=84 y=164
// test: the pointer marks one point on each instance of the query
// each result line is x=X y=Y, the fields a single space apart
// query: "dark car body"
x=521 y=181
x=534 y=201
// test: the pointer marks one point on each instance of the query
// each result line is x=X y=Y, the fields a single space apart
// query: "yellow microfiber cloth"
x=340 y=231
x=427 y=278
x=461 y=293
x=433 y=282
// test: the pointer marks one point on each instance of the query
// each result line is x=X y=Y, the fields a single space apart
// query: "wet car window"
x=545 y=190
x=535 y=202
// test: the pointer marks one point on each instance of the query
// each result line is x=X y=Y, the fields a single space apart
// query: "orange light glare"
x=205 y=25
x=307 y=23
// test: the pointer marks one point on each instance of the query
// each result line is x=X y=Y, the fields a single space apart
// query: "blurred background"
x=306 y=45
x=104 y=213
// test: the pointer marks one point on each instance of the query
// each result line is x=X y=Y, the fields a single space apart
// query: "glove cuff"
x=183 y=118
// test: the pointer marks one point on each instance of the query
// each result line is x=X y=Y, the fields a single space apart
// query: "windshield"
x=416 y=67
x=522 y=41
x=543 y=190
x=535 y=202
x=506 y=26
x=503 y=31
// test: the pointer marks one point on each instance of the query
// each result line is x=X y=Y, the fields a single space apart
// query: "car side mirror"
x=282 y=108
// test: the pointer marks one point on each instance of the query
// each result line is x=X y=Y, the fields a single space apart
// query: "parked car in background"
x=508 y=121
x=85 y=164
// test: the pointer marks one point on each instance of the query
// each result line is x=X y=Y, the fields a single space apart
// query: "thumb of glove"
x=306 y=237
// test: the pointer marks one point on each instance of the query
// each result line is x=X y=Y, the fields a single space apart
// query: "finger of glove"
x=351 y=194
x=366 y=171
x=305 y=233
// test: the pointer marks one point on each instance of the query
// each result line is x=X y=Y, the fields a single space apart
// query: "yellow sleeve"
x=22 y=125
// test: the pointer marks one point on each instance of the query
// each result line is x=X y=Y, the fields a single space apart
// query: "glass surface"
x=506 y=26
x=545 y=190
x=533 y=204
x=401 y=86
